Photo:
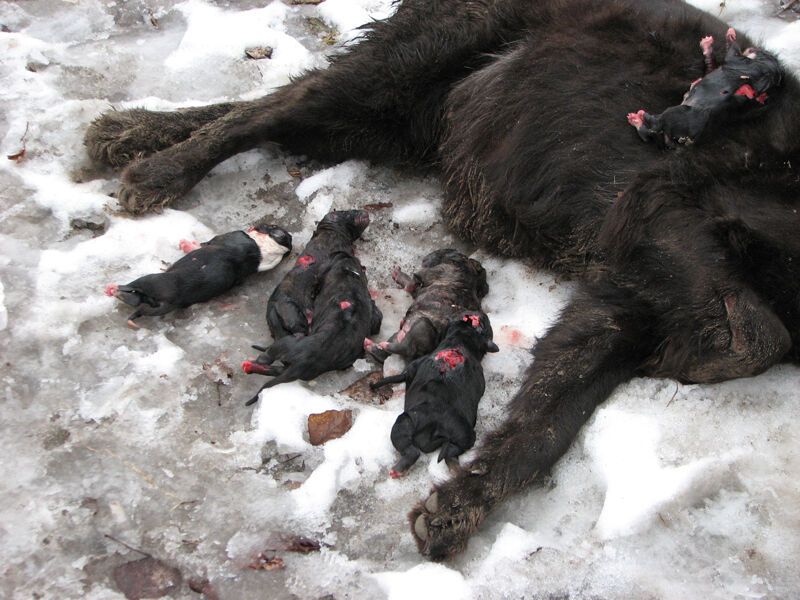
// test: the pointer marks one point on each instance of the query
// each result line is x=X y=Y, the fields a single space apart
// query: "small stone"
x=329 y=425
x=147 y=578
x=55 y=438
x=258 y=52
x=263 y=562
x=97 y=224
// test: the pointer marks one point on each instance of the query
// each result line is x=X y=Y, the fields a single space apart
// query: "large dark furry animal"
x=690 y=257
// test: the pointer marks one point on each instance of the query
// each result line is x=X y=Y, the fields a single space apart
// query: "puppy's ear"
x=480 y=272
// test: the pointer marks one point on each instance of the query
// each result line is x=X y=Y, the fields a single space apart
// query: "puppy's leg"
x=459 y=435
x=286 y=318
x=377 y=319
x=117 y=138
x=403 y=280
x=403 y=440
x=412 y=341
x=593 y=347
x=399 y=378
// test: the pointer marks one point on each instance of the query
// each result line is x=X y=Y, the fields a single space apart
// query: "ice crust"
x=670 y=491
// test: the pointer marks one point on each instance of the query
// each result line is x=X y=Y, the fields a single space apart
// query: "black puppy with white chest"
x=289 y=309
x=208 y=270
x=447 y=284
x=442 y=393
x=344 y=314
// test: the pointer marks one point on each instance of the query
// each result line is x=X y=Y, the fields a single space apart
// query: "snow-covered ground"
x=112 y=436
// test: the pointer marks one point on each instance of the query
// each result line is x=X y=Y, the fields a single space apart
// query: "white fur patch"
x=271 y=251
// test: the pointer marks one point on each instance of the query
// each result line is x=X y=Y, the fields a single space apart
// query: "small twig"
x=677 y=386
x=128 y=546
x=291 y=458
x=18 y=156
x=539 y=549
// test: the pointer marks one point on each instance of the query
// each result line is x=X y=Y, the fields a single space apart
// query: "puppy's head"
x=466 y=265
x=475 y=324
x=353 y=221
x=274 y=243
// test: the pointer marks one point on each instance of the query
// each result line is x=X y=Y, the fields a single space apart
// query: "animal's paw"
x=706 y=43
x=443 y=523
x=118 y=138
x=636 y=119
x=188 y=245
x=152 y=183
x=730 y=35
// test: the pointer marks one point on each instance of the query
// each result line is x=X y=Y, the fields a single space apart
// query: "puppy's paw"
x=188 y=245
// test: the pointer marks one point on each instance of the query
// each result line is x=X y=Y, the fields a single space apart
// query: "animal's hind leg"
x=117 y=138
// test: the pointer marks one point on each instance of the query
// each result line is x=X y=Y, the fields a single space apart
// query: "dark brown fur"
x=689 y=257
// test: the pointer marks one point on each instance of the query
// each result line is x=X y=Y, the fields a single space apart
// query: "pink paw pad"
x=111 y=289
x=368 y=344
x=706 y=44
x=188 y=245
x=636 y=119
x=730 y=35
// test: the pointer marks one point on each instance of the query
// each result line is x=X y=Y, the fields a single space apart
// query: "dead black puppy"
x=344 y=314
x=442 y=393
x=289 y=309
x=208 y=270
x=447 y=284
x=724 y=94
